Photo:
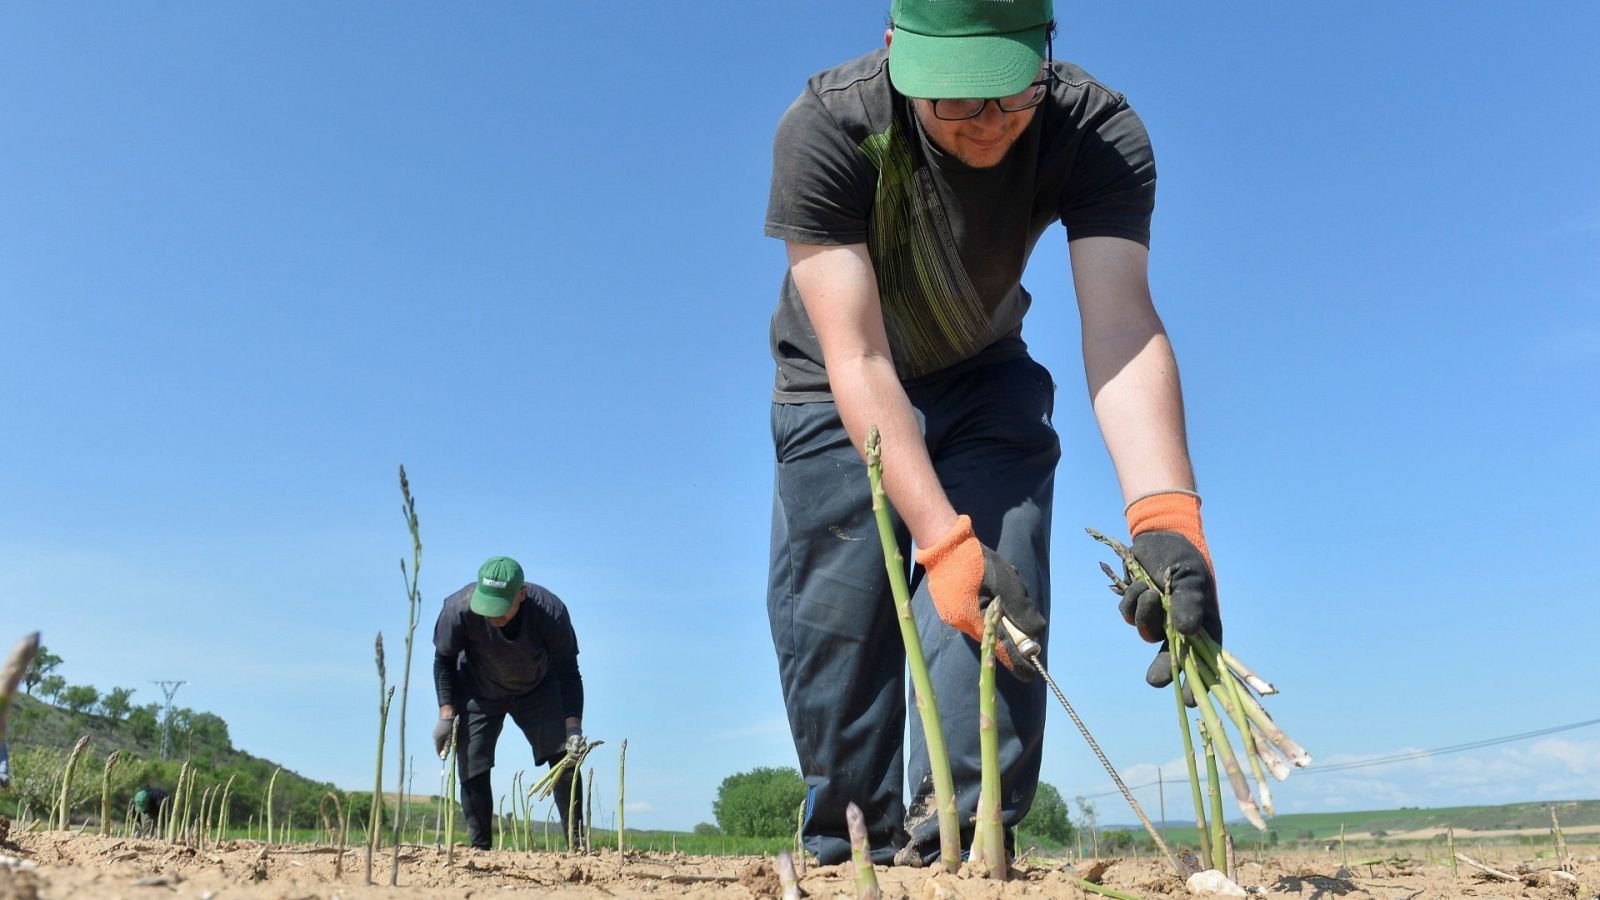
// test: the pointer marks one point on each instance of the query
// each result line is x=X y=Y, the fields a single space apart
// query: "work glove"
x=964 y=577
x=441 y=736
x=1169 y=543
x=574 y=744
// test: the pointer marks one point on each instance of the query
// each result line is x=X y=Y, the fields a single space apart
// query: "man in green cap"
x=910 y=186
x=148 y=805
x=504 y=647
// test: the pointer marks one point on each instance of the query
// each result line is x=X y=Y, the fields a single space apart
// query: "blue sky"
x=253 y=256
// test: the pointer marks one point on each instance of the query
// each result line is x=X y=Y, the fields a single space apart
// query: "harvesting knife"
x=1030 y=650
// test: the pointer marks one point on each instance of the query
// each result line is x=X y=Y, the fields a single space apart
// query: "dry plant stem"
x=1562 y=858
x=338 y=810
x=1486 y=869
x=861 y=853
x=375 y=818
x=111 y=763
x=62 y=802
x=989 y=838
x=413 y=612
x=944 y=791
x=11 y=674
x=787 y=876
x=1102 y=890
x=1219 y=832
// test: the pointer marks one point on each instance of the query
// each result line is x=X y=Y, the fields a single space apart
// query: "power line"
x=1403 y=757
x=1454 y=748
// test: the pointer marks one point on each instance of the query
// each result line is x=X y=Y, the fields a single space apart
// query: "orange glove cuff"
x=1177 y=512
x=955 y=572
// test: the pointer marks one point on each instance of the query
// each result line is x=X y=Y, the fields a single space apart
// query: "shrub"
x=1048 y=817
x=759 y=803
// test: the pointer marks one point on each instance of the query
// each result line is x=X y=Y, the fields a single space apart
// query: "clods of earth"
x=58 y=865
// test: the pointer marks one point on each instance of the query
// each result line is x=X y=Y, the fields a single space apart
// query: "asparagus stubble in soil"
x=922 y=686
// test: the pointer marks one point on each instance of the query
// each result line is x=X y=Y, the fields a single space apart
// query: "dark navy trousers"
x=841 y=660
x=538 y=715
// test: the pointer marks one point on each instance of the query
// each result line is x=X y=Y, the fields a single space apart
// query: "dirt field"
x=62 y=865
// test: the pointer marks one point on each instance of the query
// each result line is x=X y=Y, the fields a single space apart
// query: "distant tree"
x=80 y=698
x=1087 y=811
x=706 y=829
x=759 y=803
x=208 y=732
x=44 y=662
x=145 y=722
x=116 y=703
x=51 y=686
x=1048 y=818
x=1117 y=841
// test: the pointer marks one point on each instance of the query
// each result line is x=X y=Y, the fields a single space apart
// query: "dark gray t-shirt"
x=501 y=663
x=948 y=242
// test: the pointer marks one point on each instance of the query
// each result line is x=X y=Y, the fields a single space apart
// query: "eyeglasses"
x=955 y=110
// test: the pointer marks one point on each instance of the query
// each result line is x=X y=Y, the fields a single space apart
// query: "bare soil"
x=51 y=866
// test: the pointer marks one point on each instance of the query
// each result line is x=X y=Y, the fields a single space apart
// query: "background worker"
x=910 y=186
x=505 y=647
x=149 y=803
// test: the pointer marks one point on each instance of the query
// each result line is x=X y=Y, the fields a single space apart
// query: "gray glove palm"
x=441 y=736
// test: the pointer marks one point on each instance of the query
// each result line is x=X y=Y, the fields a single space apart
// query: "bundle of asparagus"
x=1214 y=677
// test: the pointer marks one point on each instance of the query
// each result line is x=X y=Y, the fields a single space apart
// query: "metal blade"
x=1179 y=866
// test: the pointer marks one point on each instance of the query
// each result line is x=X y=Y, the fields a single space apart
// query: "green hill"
x=42 y=736
x=1390 y=824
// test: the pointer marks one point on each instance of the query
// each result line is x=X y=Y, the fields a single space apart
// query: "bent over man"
x=505 y=647
x=909 y=187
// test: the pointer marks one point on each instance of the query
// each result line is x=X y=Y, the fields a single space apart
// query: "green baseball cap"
x=141 y=801
x=967 y=48
x=499 y=579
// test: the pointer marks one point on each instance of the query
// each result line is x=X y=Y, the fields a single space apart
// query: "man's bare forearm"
x=868 y=393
